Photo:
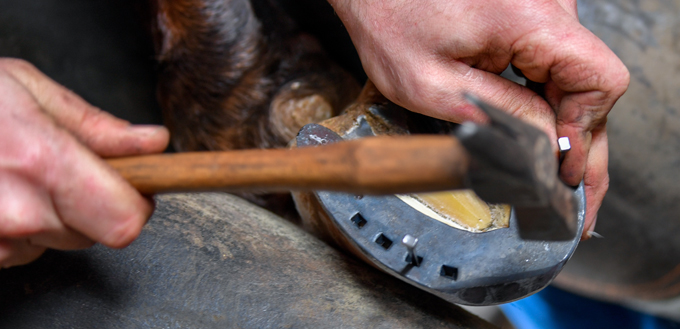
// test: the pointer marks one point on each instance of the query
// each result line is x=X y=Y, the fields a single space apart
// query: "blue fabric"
x=553 y=308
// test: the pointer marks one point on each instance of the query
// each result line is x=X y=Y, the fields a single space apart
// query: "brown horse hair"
x=238 y=74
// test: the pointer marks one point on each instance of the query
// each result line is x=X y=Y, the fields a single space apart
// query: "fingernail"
x=146 y=130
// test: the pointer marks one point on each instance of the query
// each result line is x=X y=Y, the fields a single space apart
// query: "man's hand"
x=423 y=55
x=55 y=192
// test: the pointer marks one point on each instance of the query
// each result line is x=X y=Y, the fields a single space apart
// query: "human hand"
x=55 y=192
x=423 y=55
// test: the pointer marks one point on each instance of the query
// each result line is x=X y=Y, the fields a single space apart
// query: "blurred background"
x=103 y=51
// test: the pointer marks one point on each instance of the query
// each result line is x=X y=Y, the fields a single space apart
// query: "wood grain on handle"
x=377 y=165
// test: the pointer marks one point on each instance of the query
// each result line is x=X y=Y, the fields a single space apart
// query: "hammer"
x=507 y=161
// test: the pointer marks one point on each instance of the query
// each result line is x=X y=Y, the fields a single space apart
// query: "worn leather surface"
x=213 y=260
x=639 y=256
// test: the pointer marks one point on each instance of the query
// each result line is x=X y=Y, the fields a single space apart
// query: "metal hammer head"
x=513 y=162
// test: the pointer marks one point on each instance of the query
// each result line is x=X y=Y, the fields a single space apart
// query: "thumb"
x=101 y=132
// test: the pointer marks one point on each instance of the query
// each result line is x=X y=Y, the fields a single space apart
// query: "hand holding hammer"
x=507 y=161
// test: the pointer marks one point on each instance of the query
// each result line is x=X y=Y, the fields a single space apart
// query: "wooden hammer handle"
x=376 y=165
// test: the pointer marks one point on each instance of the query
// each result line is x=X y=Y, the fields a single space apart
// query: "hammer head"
x=513 y=162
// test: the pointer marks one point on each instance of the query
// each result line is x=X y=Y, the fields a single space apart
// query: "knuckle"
x=428 y=88
x=605 y=184
x=91 y=116
x=412 y=87
x=20 y=221
x=597 y=189
x=17 y=66
x=23 y=207
x=614 y=82
x=620 y=81
x=515 y=100
x=92 y=122
x=601 y=186
x=32 y=159
x=586 y=79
